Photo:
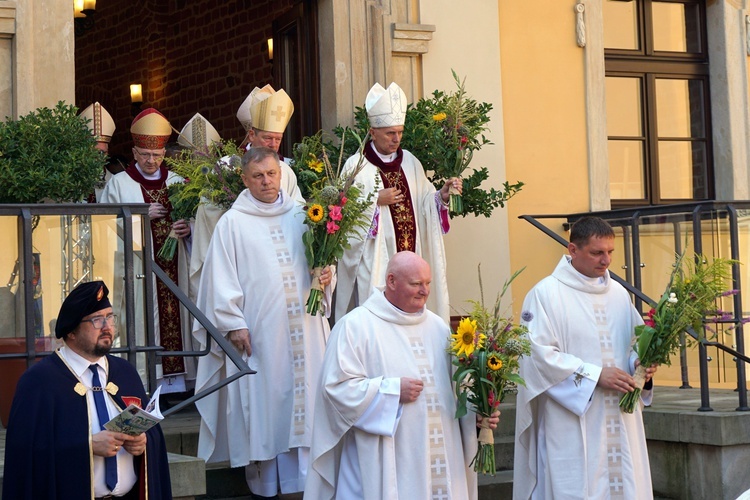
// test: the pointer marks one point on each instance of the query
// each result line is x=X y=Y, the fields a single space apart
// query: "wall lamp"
x=270 y=49
x=83 y=15
x=136 y=93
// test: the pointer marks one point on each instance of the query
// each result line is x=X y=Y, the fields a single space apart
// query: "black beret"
x=85 y=299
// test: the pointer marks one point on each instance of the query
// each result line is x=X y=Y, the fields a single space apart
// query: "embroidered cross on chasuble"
x=170 y=329
x=611 y=409
x=402 y=214
x=438 y=458
x=296 y=314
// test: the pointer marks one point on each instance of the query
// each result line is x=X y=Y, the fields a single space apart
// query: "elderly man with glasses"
x=145 y=181
x=56 y=445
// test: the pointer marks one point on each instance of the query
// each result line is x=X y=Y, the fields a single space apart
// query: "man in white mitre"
x=253 y=289
x=572 y=438
x=407 y=213
x=146 y=180
x=102 y=127
x=384 y=423
x=264 y=114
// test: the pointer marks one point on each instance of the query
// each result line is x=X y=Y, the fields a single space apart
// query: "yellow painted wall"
x=466 y=40
x=542 y=75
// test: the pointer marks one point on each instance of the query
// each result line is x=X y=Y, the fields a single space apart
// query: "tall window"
x=658 y=105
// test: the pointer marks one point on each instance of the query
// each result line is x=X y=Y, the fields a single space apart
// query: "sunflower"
x=494 y=362
x=315 y=165
x=316 y=213
x=466 y=338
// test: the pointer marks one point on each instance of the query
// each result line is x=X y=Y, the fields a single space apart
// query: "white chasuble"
x=576 y=327
x=255 y=276
x=427 y=456
x=362 y=268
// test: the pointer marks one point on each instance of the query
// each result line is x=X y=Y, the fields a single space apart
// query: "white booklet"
x=134 y=420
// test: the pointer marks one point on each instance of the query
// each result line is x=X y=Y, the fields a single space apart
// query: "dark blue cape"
x=47 y=451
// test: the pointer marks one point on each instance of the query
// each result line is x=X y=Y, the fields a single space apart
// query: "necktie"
x=110 y=463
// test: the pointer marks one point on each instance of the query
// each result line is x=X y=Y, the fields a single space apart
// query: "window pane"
x=626 y=170
x=682 y=170
x=679 y=108
x=676 y=27
x=620 y=25
x=624 y=117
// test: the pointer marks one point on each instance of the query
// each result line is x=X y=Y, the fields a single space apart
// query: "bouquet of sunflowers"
x=485 y=350
x=690 y=296
x=335 y=212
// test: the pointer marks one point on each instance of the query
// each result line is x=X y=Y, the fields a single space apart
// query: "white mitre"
x=198 y=133
x=257 y=95
x=386 y=107
x=100 y=122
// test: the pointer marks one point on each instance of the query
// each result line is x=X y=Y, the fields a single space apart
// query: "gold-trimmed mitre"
x=100 y=123
x=198 y=133
x=271 y=112
x=386 y=107
x=254 y=97
x=150 y=129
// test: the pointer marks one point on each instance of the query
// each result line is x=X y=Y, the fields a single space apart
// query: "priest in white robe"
x=407 y=213
x=572 y=439
x=384 y=416
x=253 y=289
x=264 y=114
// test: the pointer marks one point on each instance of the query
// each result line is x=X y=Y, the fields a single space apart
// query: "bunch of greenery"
x=48 y=154
x=691 y=294
x=485 y=350
x=443 y=132
x=214 y=177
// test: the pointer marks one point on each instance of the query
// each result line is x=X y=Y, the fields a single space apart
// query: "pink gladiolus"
x=334 y=212
x=343 y=200
x=332 y=227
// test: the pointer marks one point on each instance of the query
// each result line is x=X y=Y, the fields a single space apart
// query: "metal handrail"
x=125 y=212
x=698 y=212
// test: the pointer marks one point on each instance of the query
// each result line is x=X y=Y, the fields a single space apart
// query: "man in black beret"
x=55 y=440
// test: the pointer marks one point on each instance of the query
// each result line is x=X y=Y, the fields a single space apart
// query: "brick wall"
x=190 y=56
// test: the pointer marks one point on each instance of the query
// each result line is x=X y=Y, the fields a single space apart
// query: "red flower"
x=334 y=211
x=332 y=227
x=343 y=200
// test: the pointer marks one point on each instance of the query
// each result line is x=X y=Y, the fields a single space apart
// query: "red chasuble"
x=155 y=191
x=402 y=214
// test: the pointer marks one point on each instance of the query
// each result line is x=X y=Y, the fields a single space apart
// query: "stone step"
x=188 y=476
x=497 y=487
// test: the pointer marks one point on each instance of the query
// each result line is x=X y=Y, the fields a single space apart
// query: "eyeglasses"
x=152 y=156
x=98 y=321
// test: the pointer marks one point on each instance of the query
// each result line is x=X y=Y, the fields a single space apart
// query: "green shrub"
x=48 y=154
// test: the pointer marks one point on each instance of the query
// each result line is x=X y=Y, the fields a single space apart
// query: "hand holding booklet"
x=135 y=420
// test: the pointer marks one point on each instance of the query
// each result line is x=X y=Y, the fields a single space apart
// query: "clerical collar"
x=384 y=158
x=262 y=204
x=151 y=177
x=79 y=364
